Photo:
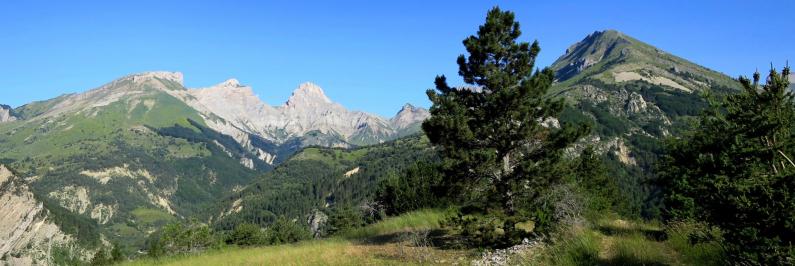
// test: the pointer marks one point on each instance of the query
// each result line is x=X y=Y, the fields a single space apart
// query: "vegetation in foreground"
x=397 y=240
x=417 y=238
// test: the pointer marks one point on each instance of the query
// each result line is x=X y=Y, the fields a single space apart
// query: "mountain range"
x=118 y=161
x=115 y=163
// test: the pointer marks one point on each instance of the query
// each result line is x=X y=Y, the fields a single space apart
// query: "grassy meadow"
x=404 y=240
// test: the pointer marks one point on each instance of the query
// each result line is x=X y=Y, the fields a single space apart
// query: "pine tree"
x=491 y=135
x=591 y=175
x=736 y=171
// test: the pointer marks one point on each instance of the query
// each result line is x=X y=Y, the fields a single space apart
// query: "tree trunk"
x=504 y=188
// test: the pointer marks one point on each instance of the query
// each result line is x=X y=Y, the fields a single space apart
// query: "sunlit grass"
x=343 y=250
x=610 y=241
x=417 y=220
x=709 y=253
x=326 y=252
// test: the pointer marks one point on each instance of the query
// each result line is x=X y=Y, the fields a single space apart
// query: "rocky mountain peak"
x=231 y=83
x=308 y=93
x=7 y=114
x=409 y=115
x=164 y=75
x=614 y=57
x=229 y=88
x=596 y=47
x=407 y=108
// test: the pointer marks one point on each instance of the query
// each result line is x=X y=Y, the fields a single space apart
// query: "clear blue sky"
x=368 y=56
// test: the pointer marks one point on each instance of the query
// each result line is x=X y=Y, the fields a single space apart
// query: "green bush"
x=343 y=219
x=247 y=234
x=493 y=230
x=284 y=230
x=416 y=189
x=179 y=238
x=103 y=257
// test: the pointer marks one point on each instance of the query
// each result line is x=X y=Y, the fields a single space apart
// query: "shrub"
x=286 y=231
x=247 y=234
x=177 y=238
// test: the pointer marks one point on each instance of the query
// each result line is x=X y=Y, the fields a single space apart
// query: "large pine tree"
x=736 y=171
x=495 y=144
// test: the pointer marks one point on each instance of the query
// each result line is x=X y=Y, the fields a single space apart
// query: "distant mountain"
x=7 y=114
x=630 y=87
x=308 y=116
x=124 y=158
x=633 y=94
x=614 y=58
x=121 y=160
x=409 y=120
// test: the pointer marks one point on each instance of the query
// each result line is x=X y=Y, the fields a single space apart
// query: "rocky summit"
x=308 y=110
x=613 y=57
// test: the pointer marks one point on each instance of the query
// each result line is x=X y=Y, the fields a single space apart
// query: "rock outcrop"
x=317 y=220
x=27 y=233
x=7 y=114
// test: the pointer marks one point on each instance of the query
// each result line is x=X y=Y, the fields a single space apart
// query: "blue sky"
x=366 y=55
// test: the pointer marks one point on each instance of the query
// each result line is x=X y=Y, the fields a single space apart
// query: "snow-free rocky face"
x=6 y=114
x=308 y=110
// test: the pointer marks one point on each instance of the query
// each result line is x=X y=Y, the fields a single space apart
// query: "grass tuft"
x=412 y=221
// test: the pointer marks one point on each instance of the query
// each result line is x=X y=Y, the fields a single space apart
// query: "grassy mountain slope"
x=614 y=57
x=124 y=158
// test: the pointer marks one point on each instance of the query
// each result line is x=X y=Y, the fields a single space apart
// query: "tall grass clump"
x=638 y=250
x=580 y=249
x=684 y=238
x=427 y=219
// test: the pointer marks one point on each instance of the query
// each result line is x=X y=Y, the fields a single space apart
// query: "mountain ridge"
x=617 y=57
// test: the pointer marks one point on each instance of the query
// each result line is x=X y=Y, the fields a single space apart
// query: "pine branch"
x=786 y=157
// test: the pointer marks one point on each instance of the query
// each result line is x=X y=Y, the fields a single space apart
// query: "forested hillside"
x=320 y=180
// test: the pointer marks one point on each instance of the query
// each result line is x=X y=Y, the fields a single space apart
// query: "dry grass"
x=402 y=240
x=407 y=240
